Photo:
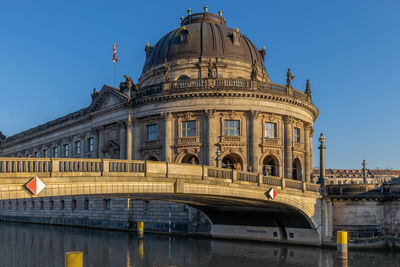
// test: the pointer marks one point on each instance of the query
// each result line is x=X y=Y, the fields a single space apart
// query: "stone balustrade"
x=220 y=83
x=55 y=167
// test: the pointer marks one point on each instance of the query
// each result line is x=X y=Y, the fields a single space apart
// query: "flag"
x=115 y=59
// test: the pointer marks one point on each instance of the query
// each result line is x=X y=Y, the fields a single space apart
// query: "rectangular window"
x=90 y=144
x=152 y=132
x=107 y=204
x=270 y=130
x=66 y=150
x=231 y=128
x=77 y=147
x=55 y=151
x=296 y=133
x=189 y=128
x=36 y=154
x=46 y=153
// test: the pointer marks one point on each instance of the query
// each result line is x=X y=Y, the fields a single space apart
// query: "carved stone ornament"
x=167 y=78
x=254 y=71
x=254 y=114
x=210 y=113
x=188 y=116
x=288 y=120
x=270 y=117
x=232 y=114
x=167 y=116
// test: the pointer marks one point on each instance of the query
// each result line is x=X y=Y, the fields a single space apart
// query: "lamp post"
x=364 y=172
x=218 y=153
x=322 y=148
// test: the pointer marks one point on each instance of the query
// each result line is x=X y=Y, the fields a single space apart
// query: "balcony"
x=188 y=140
x=226 y=138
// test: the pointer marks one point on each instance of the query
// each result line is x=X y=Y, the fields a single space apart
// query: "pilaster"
x=307 y=161
x=167 y=142
x=288 y=147
x=255 y=136
x=129 y=135
x=122 y=140
x=211 y=133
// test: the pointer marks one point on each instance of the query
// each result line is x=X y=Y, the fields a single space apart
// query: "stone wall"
x=106 y=213
x=369 y=222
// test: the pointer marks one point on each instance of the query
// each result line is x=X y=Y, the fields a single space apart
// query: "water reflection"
x=40 y=245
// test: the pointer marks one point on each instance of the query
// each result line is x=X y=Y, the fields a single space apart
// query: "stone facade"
x=186 y=108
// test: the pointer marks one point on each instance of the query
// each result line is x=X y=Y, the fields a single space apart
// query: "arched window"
x=270 y=166
x=183 y=78
x=190 y=159
x=152 y=158
x=296 y=173
x=232 y=161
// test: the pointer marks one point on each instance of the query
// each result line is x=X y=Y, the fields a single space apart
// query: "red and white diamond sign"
x=35 y=186
x=271 y=193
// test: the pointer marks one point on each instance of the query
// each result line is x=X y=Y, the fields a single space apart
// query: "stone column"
x=122 y=140
x=211 y=130
x=255 y=136
x=129 y=135
x=308 y=160
x=167 y=144
x=321 y=148
x=137 y=140
x=100 y=143
x=288 y=153
x=82 y=138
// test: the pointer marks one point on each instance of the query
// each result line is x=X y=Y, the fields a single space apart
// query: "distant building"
x=354 y=176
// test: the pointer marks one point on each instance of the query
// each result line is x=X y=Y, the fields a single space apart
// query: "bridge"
x=228 y=198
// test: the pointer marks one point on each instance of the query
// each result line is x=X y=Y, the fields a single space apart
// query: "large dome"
x=203 y=35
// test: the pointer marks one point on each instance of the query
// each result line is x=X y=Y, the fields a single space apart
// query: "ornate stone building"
x=204 y=97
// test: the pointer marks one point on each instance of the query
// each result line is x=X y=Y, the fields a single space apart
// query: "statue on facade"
x=94 y=94
x=167 y=78
x=210 y=70
x=254 y=71
x=308 y=89
x=2 y=136
x=290 y=77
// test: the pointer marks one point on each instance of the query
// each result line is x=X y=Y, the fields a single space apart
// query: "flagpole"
x=115 y=74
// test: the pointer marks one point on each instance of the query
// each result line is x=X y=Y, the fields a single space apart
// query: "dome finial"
x=205 y=9
x=220 y=12
x=189 y=11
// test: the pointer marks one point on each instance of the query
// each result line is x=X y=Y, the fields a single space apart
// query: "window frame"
x=66 y=150
x=227 y=128
x=267 y=130
x=186 y=130
x=296 y=137
x=78 y=147
x=152 y=135
x=90 y=144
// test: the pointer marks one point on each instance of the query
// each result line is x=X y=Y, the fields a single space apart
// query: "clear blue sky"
x=53 y=53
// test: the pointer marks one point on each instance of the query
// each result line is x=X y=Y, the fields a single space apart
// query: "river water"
x=28 y=245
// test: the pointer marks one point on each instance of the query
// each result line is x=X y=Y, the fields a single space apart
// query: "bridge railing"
x=54 y=167
x=24 y=165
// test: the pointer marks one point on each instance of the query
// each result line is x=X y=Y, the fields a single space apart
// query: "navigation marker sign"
x=271 y=193
x=35 y=185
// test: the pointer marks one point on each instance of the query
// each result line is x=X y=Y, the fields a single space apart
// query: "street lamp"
x=218 y=153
